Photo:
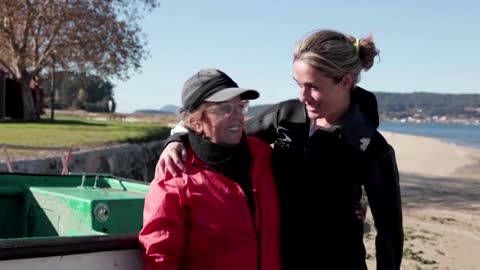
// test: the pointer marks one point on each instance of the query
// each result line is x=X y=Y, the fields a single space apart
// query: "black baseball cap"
x=212 y=85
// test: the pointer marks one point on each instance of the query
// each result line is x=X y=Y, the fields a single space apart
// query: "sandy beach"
x=440 y=185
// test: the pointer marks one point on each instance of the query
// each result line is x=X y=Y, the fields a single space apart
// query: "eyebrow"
x=311 y=83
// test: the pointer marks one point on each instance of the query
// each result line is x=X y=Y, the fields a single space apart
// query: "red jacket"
x=201 y=220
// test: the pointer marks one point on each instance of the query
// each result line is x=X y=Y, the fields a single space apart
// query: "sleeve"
x=383 y=192
x=179 y=128
x=263 y=126
x=162 y=236
x=176 y=137
x=177 y=134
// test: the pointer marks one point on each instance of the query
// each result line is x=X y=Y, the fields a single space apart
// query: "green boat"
x=70 y=222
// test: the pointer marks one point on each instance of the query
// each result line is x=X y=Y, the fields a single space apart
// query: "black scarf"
x=233 y=161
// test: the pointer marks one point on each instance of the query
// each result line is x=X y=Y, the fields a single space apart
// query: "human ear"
x=195 y=124
x=347 y=81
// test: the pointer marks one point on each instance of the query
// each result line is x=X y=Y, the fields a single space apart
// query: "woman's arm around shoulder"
x=266 y=125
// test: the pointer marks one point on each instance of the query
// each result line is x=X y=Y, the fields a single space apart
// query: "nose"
x=236 y=115
x=304 y=94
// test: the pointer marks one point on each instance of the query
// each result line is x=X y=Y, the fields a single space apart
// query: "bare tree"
x=100 y=36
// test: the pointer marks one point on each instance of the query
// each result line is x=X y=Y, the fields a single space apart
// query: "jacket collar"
x=358 y=125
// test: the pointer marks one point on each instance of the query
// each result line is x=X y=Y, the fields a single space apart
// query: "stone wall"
x=132 y=161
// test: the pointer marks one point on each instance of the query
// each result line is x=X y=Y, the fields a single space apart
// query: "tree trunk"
x=29 y=111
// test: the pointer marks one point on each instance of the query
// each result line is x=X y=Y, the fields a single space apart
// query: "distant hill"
x=258 y=109
x=428 y=104
x=150 y=111
x=170 y=108
x=167 y=109
x=395 y=105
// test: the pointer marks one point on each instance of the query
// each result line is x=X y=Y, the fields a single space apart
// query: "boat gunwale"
x=76 y=175
x=22 y=248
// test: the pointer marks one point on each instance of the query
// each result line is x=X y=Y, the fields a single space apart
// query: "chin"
x=314 y=115
x=232 y=140
x=237 y=139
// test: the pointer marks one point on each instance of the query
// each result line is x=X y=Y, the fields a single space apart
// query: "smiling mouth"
x=233 y=129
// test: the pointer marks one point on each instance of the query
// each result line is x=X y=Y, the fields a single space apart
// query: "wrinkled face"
x=222 y=122
x=322 y=96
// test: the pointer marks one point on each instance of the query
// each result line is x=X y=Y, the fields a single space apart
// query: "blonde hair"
x=336 y=54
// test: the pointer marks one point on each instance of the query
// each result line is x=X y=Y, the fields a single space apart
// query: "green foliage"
x=417 y=256
x=79 y=91
x=98 y=36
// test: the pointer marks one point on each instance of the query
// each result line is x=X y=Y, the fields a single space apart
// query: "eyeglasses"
x=227 y=108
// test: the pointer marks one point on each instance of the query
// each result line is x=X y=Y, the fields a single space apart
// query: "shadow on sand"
x=439 y=192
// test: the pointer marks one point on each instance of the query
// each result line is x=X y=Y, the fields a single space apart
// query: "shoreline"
x=439 y=183
x=443 y=140
x=428 y=156
x=453 y=133
x=473 y=121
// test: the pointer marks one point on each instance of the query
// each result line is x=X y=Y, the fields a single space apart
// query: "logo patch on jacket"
x=364 y=143
x=284 y=139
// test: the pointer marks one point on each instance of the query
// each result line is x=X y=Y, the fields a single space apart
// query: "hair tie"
x=357 y=46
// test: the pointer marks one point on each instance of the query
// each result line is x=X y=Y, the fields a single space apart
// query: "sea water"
x=466 y=135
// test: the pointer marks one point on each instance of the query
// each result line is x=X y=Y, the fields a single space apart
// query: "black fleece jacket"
x=319 y=180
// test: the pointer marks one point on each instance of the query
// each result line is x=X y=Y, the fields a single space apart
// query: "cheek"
x=318 y=96
x=337 y=96
x=214 y=127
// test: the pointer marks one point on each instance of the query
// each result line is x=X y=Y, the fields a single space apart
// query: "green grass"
x=67 y=131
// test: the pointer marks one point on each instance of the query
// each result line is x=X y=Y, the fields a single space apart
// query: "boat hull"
x=106 y=260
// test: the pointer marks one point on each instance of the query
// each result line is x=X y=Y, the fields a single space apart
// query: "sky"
x=425 y=45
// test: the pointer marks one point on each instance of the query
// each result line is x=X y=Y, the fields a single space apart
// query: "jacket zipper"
x=255 y=229
x=259 y=231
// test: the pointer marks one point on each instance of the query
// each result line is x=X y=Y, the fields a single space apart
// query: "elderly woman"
x=222 y=212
